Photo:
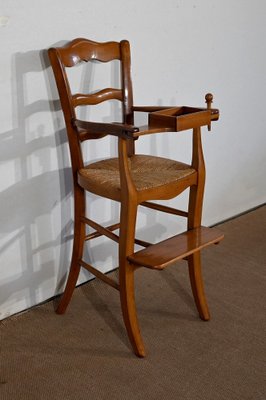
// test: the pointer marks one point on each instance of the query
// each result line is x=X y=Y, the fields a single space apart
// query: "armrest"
x=95 y=130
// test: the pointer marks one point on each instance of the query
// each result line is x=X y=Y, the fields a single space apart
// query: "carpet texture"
x=85 y=354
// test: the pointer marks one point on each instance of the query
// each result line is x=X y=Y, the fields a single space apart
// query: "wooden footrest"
x=162 y=254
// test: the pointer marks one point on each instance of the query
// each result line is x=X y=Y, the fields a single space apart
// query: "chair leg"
x=78 y=244
x=196 y=281
x=127 y=298
x=194 y=260
x=194 y=221
x=126 y=277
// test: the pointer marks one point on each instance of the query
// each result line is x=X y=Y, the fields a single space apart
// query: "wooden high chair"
x=133 y=180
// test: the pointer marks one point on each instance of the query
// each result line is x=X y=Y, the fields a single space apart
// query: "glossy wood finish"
x=180 y=118
x=99 y=274
x=208 y=99
x=86 y=50
x=166 y=209
x=161 y=119
x=80 y=99
x=78 y=245
x=160 y=255
x=194 y=221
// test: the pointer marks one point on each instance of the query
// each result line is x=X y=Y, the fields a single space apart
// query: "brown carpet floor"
x=85 y=353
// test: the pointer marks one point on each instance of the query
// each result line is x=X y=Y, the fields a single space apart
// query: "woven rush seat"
x=148 y=172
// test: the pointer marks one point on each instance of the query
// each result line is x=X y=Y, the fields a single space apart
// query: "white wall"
x=181 y=49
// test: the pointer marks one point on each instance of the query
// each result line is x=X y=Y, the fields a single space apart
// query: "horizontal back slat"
x=86 y=50
x=98 y=97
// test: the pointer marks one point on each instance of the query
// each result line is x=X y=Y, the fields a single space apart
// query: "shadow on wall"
x=27 y=206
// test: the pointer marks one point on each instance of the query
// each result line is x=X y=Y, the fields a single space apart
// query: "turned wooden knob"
x=209 y=99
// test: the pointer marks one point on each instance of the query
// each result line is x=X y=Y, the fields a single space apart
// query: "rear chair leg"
x=78 y=244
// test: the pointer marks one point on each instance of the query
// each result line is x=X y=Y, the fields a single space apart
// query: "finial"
x=209 y=99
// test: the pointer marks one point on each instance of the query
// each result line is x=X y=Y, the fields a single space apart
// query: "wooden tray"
x=181 y=118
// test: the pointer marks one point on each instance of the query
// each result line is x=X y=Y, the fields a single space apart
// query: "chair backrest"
x=80 y=50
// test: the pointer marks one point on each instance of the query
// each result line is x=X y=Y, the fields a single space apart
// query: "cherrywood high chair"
x=133 y=180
